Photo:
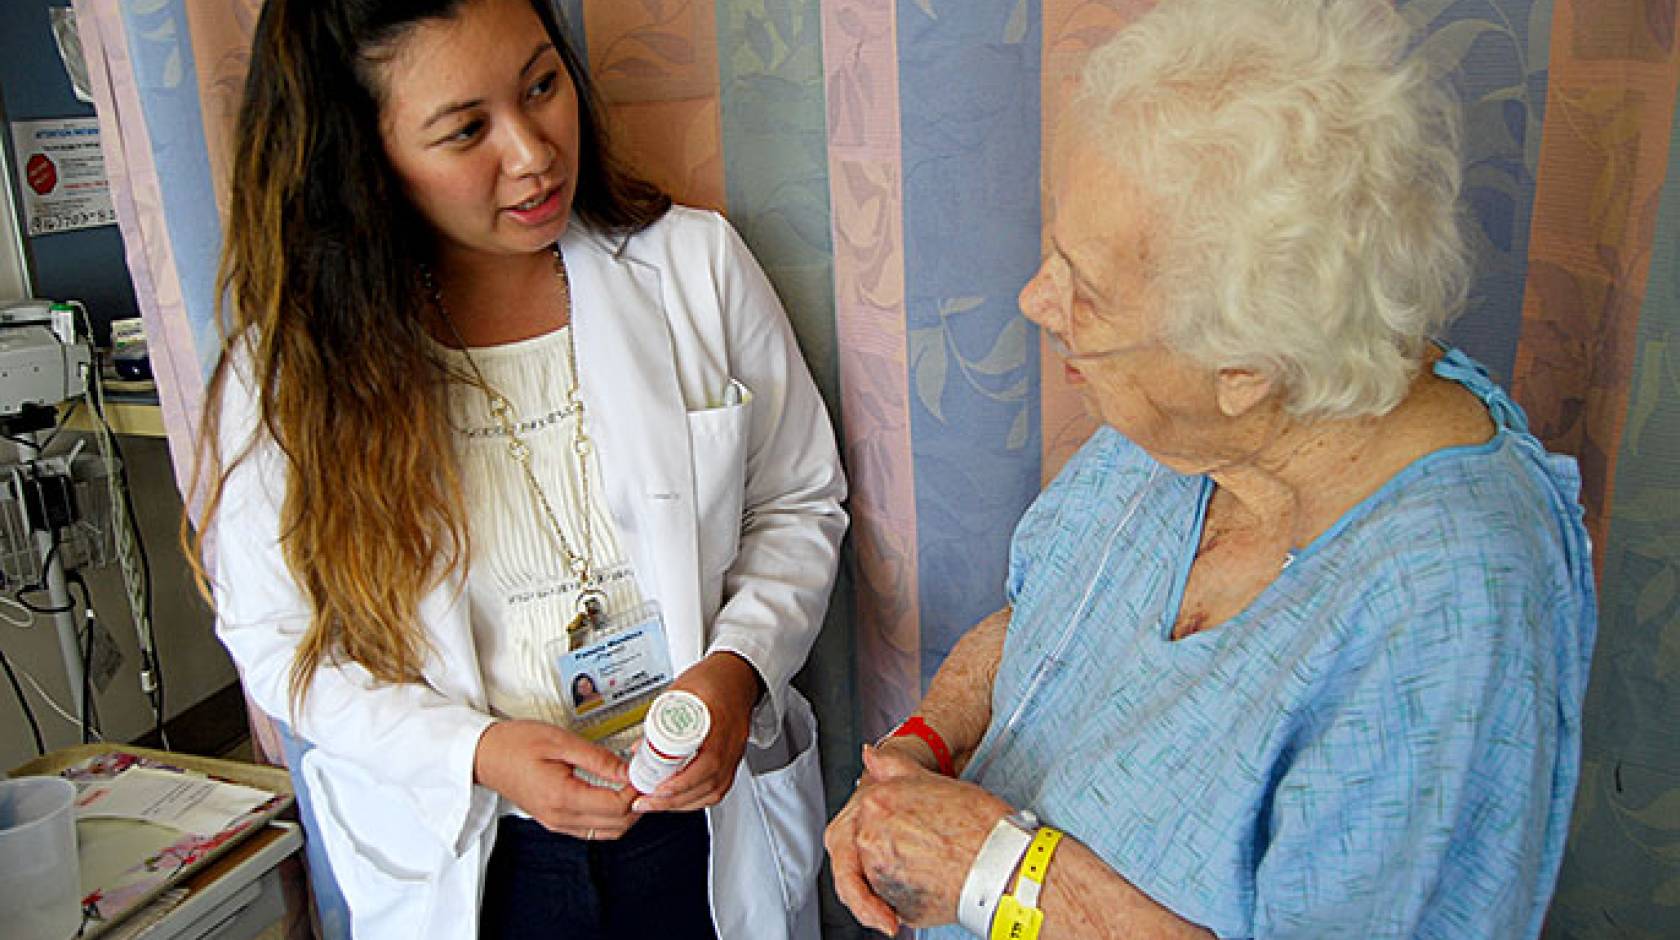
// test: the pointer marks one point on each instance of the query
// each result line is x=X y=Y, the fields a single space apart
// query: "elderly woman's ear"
x=1240 y=391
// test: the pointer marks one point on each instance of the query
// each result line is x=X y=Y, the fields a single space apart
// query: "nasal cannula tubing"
x=1042 y=670
x=1043 y=667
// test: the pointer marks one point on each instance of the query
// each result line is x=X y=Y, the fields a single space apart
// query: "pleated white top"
x=521 y=593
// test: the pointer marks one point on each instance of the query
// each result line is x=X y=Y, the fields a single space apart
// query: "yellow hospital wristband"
x=1018 y=915
x=1014 y=922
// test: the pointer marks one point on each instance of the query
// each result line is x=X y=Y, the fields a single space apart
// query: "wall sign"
x=61 y=175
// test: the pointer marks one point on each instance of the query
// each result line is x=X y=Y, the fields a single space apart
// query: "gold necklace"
x=591 y=599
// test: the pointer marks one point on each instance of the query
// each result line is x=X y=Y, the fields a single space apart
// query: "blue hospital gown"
x=1385 y=743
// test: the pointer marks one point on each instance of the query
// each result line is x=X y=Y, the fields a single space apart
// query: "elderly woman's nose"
x=1042 y=300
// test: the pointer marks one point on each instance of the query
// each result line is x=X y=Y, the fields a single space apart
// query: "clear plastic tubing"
x=677 y=724
x=1056 y=657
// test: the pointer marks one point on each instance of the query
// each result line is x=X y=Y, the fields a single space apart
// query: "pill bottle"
x=676 y=725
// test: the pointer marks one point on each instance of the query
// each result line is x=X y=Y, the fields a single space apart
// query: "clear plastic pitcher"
x=40 y=878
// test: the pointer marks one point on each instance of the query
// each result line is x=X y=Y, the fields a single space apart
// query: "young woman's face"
x=480 y=121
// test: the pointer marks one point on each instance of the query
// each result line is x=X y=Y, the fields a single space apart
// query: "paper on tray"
x=195 y=805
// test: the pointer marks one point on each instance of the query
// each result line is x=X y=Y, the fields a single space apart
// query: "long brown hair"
x=321 y=312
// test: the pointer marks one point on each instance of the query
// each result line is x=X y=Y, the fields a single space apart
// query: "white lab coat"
x=731 y=516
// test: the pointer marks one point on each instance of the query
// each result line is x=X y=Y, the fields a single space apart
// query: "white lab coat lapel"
x=638 y=420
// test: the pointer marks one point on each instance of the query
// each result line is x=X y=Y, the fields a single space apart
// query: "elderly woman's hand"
x=902 y=846
x=849 y=882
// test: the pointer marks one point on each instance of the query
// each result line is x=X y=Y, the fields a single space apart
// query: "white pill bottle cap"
x=676 y=725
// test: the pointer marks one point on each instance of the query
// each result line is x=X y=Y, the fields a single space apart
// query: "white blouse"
x=520 y=592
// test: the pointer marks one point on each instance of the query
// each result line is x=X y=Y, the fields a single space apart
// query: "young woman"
x=489 y=408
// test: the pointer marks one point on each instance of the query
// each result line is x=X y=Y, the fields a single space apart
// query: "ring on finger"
x=590 y=835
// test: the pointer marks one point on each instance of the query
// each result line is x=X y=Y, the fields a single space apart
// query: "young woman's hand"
x=730 y=687
x=531 y=762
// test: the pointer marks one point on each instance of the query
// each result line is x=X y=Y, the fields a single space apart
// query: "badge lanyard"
x=591 y=600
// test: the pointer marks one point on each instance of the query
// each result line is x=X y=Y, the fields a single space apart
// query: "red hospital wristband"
x=915 y=727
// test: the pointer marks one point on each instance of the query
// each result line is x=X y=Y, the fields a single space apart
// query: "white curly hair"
x=1303 y=175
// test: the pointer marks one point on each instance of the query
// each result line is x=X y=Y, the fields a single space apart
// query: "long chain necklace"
x=591 y=599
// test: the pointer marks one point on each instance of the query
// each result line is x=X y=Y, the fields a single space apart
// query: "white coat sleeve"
x=408 y=735
x=776 y=591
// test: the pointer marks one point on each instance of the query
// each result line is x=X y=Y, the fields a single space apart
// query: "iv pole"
x=64 y=620
x=45 y=535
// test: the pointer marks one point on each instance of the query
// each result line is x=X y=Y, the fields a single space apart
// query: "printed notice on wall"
x=61 y=174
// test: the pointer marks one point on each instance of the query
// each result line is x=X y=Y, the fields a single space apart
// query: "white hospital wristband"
x=988 y=878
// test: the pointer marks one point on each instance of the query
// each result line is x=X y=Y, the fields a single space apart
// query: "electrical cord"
x=131 y=549
x=87 y=683
x=41 y=585
x=90 y=709
x=53 y=704
x=9 y=611
x=23 y=703
x=137 y=578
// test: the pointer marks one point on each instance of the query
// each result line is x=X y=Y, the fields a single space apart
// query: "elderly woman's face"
x=1095 y=297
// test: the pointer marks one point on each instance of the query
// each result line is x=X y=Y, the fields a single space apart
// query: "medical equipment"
x=63 y=512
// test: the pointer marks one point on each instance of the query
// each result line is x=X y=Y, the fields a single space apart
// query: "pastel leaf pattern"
x=781 y=16
x=930 y=362
x=670 y=47
x=1421 y=13
x=1447 y=46
x=760 y=41
x=1657 y=595
x=1015 y=31
x=1018 y=430
x=1654 y=505
x=851 y=25
x=1496 y=212
x=162 y=32
x=1508 y=93
x=1667 y=894
x=1008 y=352
x=1647 y=392
x=173 y=73
x=1661 y=813
x=1668 y=657
x=1659 y=19
x=634 y=67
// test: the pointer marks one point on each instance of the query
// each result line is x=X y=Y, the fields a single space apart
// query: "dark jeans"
x=651 y=883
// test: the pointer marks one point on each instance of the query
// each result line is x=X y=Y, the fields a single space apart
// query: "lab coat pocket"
x=718 y=444
x=384 y=861
x=789 y=791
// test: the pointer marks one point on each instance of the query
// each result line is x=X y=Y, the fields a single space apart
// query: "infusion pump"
x=42 y=360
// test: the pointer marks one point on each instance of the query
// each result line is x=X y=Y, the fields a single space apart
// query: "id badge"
x=608 y=684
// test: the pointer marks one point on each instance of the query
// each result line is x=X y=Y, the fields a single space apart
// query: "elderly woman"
x=1296 y=645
